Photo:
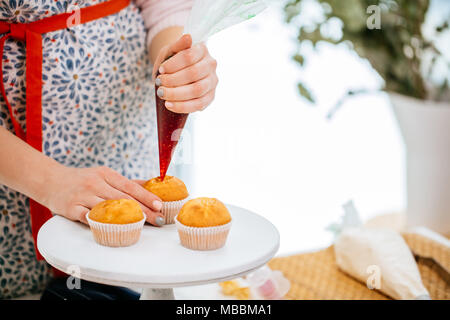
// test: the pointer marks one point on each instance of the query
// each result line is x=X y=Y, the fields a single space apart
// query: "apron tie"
x=18 y=31
x=31 y=33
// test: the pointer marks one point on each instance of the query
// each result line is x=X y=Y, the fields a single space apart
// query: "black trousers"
x=57 y=289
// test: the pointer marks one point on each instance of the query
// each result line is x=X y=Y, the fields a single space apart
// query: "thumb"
x=185 y=42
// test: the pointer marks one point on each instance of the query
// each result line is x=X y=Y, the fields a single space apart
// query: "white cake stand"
x=158 y=262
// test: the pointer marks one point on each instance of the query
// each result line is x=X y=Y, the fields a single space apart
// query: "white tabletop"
x=158 y=260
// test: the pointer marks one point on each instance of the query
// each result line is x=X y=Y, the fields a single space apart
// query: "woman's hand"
x=187 y=80
x=73 y=192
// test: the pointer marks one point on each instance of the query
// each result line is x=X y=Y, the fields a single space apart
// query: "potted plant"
x=393 y=36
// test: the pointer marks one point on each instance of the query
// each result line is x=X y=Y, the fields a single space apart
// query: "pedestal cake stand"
x=158 y=263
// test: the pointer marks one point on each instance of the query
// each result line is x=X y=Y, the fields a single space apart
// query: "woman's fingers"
x=140 y=182
x=91 y=201
x=117 y=181
x=79 y=211
x=184 y=59
x=188 y=80
x=79 y=214
x=153 y=217
x=183 y=43
x=188 y=75
x=191 y=105
x=90 y=186
x=163 y=54
x=191 y=91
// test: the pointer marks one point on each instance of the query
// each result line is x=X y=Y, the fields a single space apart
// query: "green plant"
x=398 y=50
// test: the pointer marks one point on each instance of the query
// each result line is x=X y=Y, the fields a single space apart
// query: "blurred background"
x=261 y=146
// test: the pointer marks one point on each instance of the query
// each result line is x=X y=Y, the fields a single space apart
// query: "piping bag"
x=207 y=17
x=378 y=257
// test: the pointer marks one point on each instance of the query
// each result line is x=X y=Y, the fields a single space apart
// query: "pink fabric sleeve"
x=160 y=14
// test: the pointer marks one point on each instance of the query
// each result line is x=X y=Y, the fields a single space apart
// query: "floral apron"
x=97 y=110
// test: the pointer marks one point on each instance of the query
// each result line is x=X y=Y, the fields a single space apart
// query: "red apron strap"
x=87 y=14
x=34 y=89
x=39 y=214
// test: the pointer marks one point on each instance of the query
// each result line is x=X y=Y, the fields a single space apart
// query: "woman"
x=91 y=112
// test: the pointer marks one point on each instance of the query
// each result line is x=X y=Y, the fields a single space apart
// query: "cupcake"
x=116 y=223
x=203 y=224
x=173 y=193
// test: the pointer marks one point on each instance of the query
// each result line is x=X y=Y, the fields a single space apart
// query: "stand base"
x=157 y=294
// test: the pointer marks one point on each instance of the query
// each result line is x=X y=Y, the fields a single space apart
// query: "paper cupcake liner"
x=206 y=238
x=116 y=235
x=170 y=209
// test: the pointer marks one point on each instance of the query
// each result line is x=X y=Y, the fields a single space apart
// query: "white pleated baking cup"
x=203 y=238
x=116 y=235
x=170 y=209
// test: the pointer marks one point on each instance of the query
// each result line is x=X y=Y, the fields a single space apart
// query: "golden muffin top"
x=204 y=212
x=121 y=211
x=169 y=189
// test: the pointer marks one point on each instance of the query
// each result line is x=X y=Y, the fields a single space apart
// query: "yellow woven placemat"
x=315 y=276
x=427 y=248
x=433 y=260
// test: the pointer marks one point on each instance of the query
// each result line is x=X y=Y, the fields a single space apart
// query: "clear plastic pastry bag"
x=211 y=16
x=378 y=257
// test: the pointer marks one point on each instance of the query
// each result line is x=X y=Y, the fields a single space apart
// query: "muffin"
x=173 y=193
x=203 y=224
x=116 y=223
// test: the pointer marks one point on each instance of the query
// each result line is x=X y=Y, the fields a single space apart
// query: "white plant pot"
x=425 y=126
